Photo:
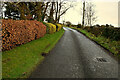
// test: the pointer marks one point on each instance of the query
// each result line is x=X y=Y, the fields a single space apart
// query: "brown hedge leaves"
x=17 y=32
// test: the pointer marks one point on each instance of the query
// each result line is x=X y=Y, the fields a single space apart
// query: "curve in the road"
x=75 y=56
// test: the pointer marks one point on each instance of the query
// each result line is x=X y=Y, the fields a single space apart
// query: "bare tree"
x=90 y=14
x=61 y=8
x=50 y=17
x=64 y=9
x=56 y=9
x=44 y=11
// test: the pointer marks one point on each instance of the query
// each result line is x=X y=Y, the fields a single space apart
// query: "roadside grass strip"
x=111 y=45
x=21 y=61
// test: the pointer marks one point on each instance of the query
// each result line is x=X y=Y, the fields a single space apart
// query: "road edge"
x=102 y=47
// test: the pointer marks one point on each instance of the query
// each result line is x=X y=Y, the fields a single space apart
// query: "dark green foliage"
x=21 y=10
x=56 y=28
x=68 y=23
x=108 y=32
x=96 y=31
x=47 y=27
x=51 y=20
x=11 y=12
x=79 y=26
x=112 y=33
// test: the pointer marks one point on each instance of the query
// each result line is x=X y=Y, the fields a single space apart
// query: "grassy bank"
x=111 y=45
x=21 y=61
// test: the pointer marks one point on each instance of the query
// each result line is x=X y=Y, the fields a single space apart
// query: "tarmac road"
x=74 y=56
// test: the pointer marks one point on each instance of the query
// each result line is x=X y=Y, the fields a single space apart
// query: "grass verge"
x=112 y=46
x=21 y=61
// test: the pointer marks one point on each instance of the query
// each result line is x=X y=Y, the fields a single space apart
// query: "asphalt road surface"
x=75 y=56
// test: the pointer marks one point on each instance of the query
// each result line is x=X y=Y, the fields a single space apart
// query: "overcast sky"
x=107 y=12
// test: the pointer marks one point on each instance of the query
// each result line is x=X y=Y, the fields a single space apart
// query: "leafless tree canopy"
x=57 y=9
x=89 y=14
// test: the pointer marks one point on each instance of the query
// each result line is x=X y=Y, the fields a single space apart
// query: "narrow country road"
x=75 y=56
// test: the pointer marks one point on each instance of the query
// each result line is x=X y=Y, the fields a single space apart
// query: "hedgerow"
x=58 y=27
x=47 y=27
x=112 y=33
x=17 y=32
x=96 y=31
x=51 y=28
x=108 y=32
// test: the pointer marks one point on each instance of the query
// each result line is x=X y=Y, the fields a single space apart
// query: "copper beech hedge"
x=17 y=32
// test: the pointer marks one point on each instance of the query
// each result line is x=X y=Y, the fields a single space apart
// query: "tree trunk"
x=83 y=20
x=56 y=17
x=45 y=11
x=51 y=19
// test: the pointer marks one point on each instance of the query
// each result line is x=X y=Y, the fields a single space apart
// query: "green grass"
x=21 y=61
x=112 y=46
